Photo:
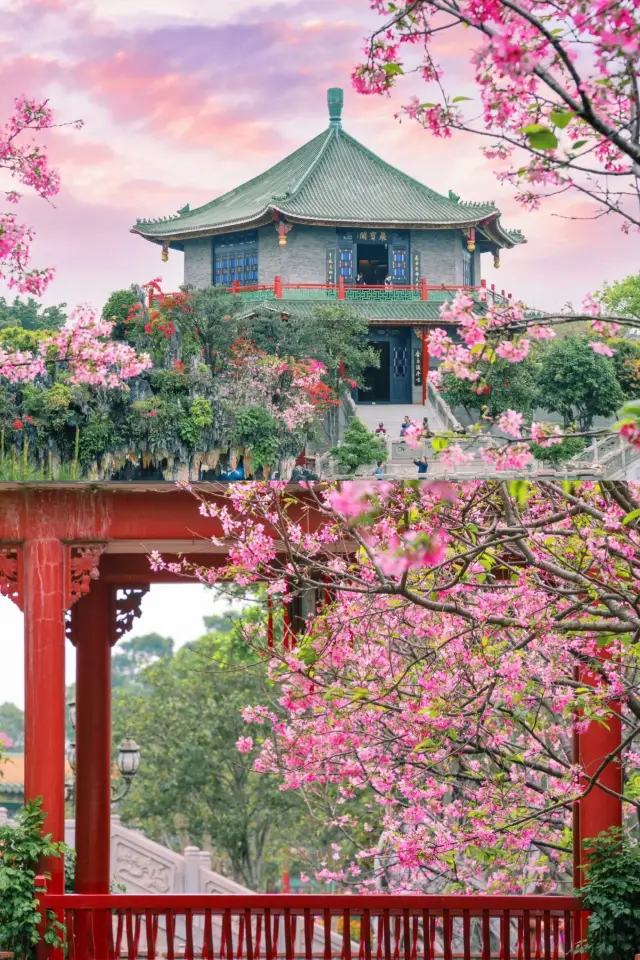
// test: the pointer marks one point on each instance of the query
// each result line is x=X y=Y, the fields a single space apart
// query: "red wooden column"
x=44 y=604
x=93 y=634
x=425 y=364
x=598 y=810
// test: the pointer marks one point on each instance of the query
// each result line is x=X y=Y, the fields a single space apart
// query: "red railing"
x=340 y=290
x=302 y=927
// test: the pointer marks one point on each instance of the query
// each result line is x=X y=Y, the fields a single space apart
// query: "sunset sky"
x=185 y=99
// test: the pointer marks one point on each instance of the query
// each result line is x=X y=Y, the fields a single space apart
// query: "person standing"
x=422 y=465
x=406 y=423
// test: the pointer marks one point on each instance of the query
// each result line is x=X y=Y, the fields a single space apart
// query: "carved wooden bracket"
x=127 y=609
x=82 y=568
x=11 y=572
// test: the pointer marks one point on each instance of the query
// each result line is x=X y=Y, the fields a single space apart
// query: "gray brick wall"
x=303 y=260
x=440 y=255
x=198 y=262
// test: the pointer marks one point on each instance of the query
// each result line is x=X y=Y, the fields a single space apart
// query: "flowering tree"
x=27 y=163
x=558 y=109
x=84 y=350
x=557 y=84
x=461 y=636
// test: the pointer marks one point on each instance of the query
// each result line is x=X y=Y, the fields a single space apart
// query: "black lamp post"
x=127 y=761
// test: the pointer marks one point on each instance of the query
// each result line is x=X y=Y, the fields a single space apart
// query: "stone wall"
x=303 y=260
x=198 y=262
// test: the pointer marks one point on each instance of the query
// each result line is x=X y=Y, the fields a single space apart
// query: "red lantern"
x=282 y=229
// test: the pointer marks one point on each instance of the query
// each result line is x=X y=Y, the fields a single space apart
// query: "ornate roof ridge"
x=290 y=194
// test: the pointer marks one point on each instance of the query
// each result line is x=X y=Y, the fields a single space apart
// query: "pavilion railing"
x=436 y=293
x=303 y=927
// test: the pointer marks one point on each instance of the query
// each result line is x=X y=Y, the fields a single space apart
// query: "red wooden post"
x=269 y=621
x=599 y=810
x=277 y=287
x=424 y=289
x=425 y=364
x=236 y=286
x=93 y=633
x=44 y=600
x=341 y=294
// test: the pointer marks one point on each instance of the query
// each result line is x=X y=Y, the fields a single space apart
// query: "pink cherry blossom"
x=428 y=708
x=26 y=163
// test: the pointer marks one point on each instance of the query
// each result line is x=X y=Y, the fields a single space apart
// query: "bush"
x=612 y=894
x=557 y=453
x=360 y=448
x=117 y=308
x=21 y=848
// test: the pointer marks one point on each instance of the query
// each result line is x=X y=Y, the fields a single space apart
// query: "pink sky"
x=184 y=100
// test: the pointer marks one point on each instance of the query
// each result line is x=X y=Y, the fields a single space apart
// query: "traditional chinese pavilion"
x=74 y=558
x=333 y=221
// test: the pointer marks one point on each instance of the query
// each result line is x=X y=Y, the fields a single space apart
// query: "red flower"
x=178 y=366
x=18 y=425
x=148 y=328
x=153 y=413
x=27 y=419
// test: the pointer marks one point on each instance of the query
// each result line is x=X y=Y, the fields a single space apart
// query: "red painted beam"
x=93 y=513
x=44 y=688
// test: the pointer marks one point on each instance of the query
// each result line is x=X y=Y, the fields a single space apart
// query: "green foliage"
x=17 y=338
x=136 y=653
x=21 y=848
x=513 y=387
x=622 y=298
x=360 y=448
x=557 y=453
x=117 y=308
x=626 y=362
x=612 y=894
x=31 y=315
x=12 y=723
x=186 y=712
x=578 y=383
x=256 y=429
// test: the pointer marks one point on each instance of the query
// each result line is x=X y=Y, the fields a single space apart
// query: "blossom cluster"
x=434 y=694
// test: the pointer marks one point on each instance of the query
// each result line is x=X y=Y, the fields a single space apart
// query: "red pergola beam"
x=87 y=512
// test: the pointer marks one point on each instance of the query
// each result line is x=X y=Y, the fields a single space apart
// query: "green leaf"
x=631 y=516
x=578 y=144
x=439 y=443
x=561 y=118
x=460 y=99
x=542 y=140
x=392 y=69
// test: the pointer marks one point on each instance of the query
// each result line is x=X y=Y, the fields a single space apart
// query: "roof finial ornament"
x=335 y=102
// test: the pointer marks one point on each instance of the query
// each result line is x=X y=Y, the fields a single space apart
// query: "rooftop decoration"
x=332 y=179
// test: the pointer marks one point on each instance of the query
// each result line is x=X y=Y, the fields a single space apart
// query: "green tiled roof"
x=400 y=311
x=332 y=179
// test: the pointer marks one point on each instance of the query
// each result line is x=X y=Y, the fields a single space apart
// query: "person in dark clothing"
x=388 y=282
x=380 y=429
x=404 y=425
x=379 y=471
x=360 y=280
x=422 y=465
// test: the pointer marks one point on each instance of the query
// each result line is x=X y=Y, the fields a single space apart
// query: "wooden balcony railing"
x=302 y=927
